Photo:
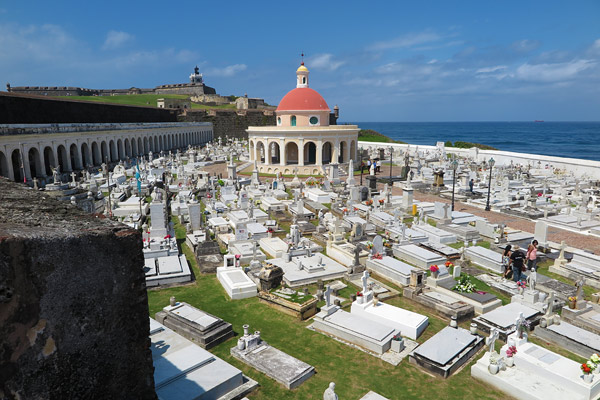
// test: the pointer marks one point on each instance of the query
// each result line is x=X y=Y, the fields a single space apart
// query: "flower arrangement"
x=381 y=201
x=377 y=256
x=238 y=256
x=521 y=284
x=359 y=294
x=434 y=268
x=449 y=264
x=345 y=210
x=587 y=367
x=355 y=209
x=397 y=337
x=511 y=351
x=595 y=359
x=369 y=245
x=464 y=285
x=572 y=298
x=270 y=230
x=369 y=202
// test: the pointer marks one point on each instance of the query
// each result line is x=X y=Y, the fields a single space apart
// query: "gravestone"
x=378 y=245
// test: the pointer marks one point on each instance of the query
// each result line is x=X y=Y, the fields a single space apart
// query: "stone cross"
x=561 y=255
x=403 y=232
x=365 y=279
x=328 y=296
x=73 y=175
x=357 y=254
x=519 y=325
x=491 y=340
x=446 y=207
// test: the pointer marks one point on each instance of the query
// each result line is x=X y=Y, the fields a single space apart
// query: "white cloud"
x=324 y=61
x=553 y=72
x=489 y=70
x=116 y=39
x=408 y=40
x=227 y=71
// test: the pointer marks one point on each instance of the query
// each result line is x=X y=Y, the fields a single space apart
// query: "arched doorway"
x=63 y=160
x=113 y=151
x=146 y=146
x=16 y=165
x=104 y=152
x=85 y=155
x=326 y=153
x=3 y=165
x=49 y=161
x=260 y=152
x=341 y=157
x=96 y=154
x=310 y=153
x=35 y=165
x=127 y=148
x=274 y=153
x=291 y=153
x=120 y=150
x=74 y=155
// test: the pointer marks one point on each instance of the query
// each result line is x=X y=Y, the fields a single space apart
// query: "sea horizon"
x=571 y=139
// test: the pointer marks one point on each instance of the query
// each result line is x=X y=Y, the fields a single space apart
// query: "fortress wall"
x=230 y=122
x=73 y=304
x=29 y=109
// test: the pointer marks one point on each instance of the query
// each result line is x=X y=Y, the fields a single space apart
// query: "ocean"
x=561 y=139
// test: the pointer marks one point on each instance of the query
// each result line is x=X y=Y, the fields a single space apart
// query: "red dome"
x=302 y=99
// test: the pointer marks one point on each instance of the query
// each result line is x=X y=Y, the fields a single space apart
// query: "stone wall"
x=29 y=109
x=232 y=123
x=73 y=305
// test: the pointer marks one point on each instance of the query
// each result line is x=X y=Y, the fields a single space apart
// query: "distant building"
x=180 y=104
x=195 y=87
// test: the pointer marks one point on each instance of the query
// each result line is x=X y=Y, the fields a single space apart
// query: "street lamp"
x=491 y=164
x=362 y=165
x=454 y=167
x=391 y=164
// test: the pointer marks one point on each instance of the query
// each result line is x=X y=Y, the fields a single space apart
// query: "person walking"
x=506 y=262
x=517 y=259
x=532 y=256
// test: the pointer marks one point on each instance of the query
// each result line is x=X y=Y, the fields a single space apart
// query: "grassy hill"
x=369 y=135
x=144 y=100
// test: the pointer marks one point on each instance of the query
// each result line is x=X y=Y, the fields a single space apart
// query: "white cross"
x=328 y=296
x=365 y=278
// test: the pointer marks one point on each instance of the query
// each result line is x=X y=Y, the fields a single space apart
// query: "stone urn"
x=493 y=368
x=543 y=323
x=595 y=297
x=509 y=361
x=588 y=378
x=435 y=274
x=172 y=301
x=473 y=329
x=359 y=299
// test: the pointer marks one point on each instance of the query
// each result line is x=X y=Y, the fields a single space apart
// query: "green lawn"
x=145 y=100
x=354 y=371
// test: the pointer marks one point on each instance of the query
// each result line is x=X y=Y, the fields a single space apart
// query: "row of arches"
x=38 y=159
x=312 y=153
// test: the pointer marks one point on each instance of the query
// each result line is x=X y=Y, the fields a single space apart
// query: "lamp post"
x=391 y=164
x=491 y=164
x=362 y=165
x=454 y=167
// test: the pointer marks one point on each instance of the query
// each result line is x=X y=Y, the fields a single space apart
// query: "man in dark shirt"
x=517 y=258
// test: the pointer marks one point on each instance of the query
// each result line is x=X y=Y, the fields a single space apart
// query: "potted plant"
x=493 y=367
x=435 y=271
x=572 y=302
x=587 y=368
x=521 y=285
x=359 y=297
x=510 y=353
x=397 y=343
x=381 y=201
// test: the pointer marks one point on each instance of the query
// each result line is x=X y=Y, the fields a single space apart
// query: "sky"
x=378 y=60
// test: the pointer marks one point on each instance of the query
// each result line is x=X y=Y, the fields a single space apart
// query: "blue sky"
x=379 y=61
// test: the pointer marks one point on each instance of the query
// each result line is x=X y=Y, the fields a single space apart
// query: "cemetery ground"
x=354 y=371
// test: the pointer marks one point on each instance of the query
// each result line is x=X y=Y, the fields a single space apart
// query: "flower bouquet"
x=435 y=270
x=369 y=202
x=464 y=285
x=510 y=353
x=381 y=201
x=572 y=302
x=377 y=256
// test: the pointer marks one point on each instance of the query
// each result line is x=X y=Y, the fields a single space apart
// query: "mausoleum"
x=304 y=138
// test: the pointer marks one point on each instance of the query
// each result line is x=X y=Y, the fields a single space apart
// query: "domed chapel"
x=304 y=137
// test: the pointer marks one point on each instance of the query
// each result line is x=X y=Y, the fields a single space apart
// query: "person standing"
x=506 y=262
x=517 y=259
x=532 y=256
x=471 y=184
